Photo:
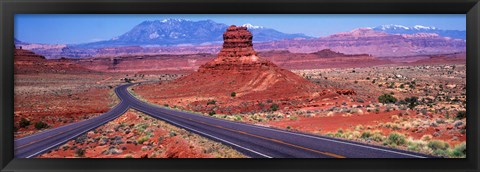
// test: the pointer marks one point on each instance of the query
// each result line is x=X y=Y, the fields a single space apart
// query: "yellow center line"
x=270 y=139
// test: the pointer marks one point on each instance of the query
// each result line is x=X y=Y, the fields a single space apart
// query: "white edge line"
x=320 y=138
x=304 y=135
x=63 y=126
x=331 y=140
x=36 y=153
x=216 y=138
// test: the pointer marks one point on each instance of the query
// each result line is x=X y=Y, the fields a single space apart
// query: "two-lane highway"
x=46 y=140
x=252 y=140
x=259 y=141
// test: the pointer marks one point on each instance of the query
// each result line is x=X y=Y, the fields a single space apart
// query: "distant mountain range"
x=174 y=36
x=399 y=29
x=183 y=32
x=372 y=42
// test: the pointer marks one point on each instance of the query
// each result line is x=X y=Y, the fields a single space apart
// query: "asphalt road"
x=46 y=140
x=252 y=140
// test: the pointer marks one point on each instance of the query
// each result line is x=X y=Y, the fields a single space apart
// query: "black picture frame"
x=9 y=8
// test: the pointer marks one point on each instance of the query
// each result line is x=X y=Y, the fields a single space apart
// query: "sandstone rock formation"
x=237 y=52
x=237 y=68
x=26 y=61
x=26 y=55
x=237 y=42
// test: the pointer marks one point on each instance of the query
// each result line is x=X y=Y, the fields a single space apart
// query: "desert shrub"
x=330 y=135
x=211 y=113
x=233 y=94
x=293 y=117
x=378 y=137
x=440 y=121
x=238 y=118
x=411 y=86
x=359 y=127
x=366 y=135
x=438 y=145
x=417 y=145
x=354 y=135
x=261 y=104
x=340 y=133
x=211 y=102
x=427 y=137
x=24 y=122
x=387 y=98
x=166 y=105
x=128 y=156
x=459 y=150
x=142 y=139
x=288 y=127
x=141 y=127
x=274 y=107
x=411 y=101
x=447 y=115
x=40 y=125
x=173 y=133
x=440 y=152
x=80 y=152
x=413 y=146
x=461 y=115
x=396 y=139
x=160 y=139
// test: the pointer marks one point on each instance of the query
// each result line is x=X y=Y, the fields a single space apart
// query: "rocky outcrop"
x=237 y=53
x=237 y=68
x=26 y=61
x=328 y=53
x=346 y=92
x=237 y=42
x=26 y=55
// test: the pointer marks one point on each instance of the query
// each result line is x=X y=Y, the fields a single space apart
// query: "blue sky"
x=82 y=28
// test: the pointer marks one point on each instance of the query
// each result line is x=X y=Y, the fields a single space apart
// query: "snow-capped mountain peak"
x=399 y=29
x=392 y=26
x=173 y=20
x=174 y=31
x=418 y=27
x=250 y=26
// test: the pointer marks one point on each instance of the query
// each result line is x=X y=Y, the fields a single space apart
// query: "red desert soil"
x=56 y=92
x=239 y=85
x=374 y=121
x=136 y=135
x=237 y=80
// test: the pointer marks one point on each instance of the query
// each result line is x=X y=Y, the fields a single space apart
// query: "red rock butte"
x=237 y=42
x=237 y=68
x=237 y=52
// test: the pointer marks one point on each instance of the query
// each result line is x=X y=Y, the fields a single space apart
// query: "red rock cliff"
x=237 y=42
x=237 y=53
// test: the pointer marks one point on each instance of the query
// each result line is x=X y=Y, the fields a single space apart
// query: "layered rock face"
x=237 y=68
x=26 y=55
x=237 y=52
x=237 y=42
x=26 y=62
